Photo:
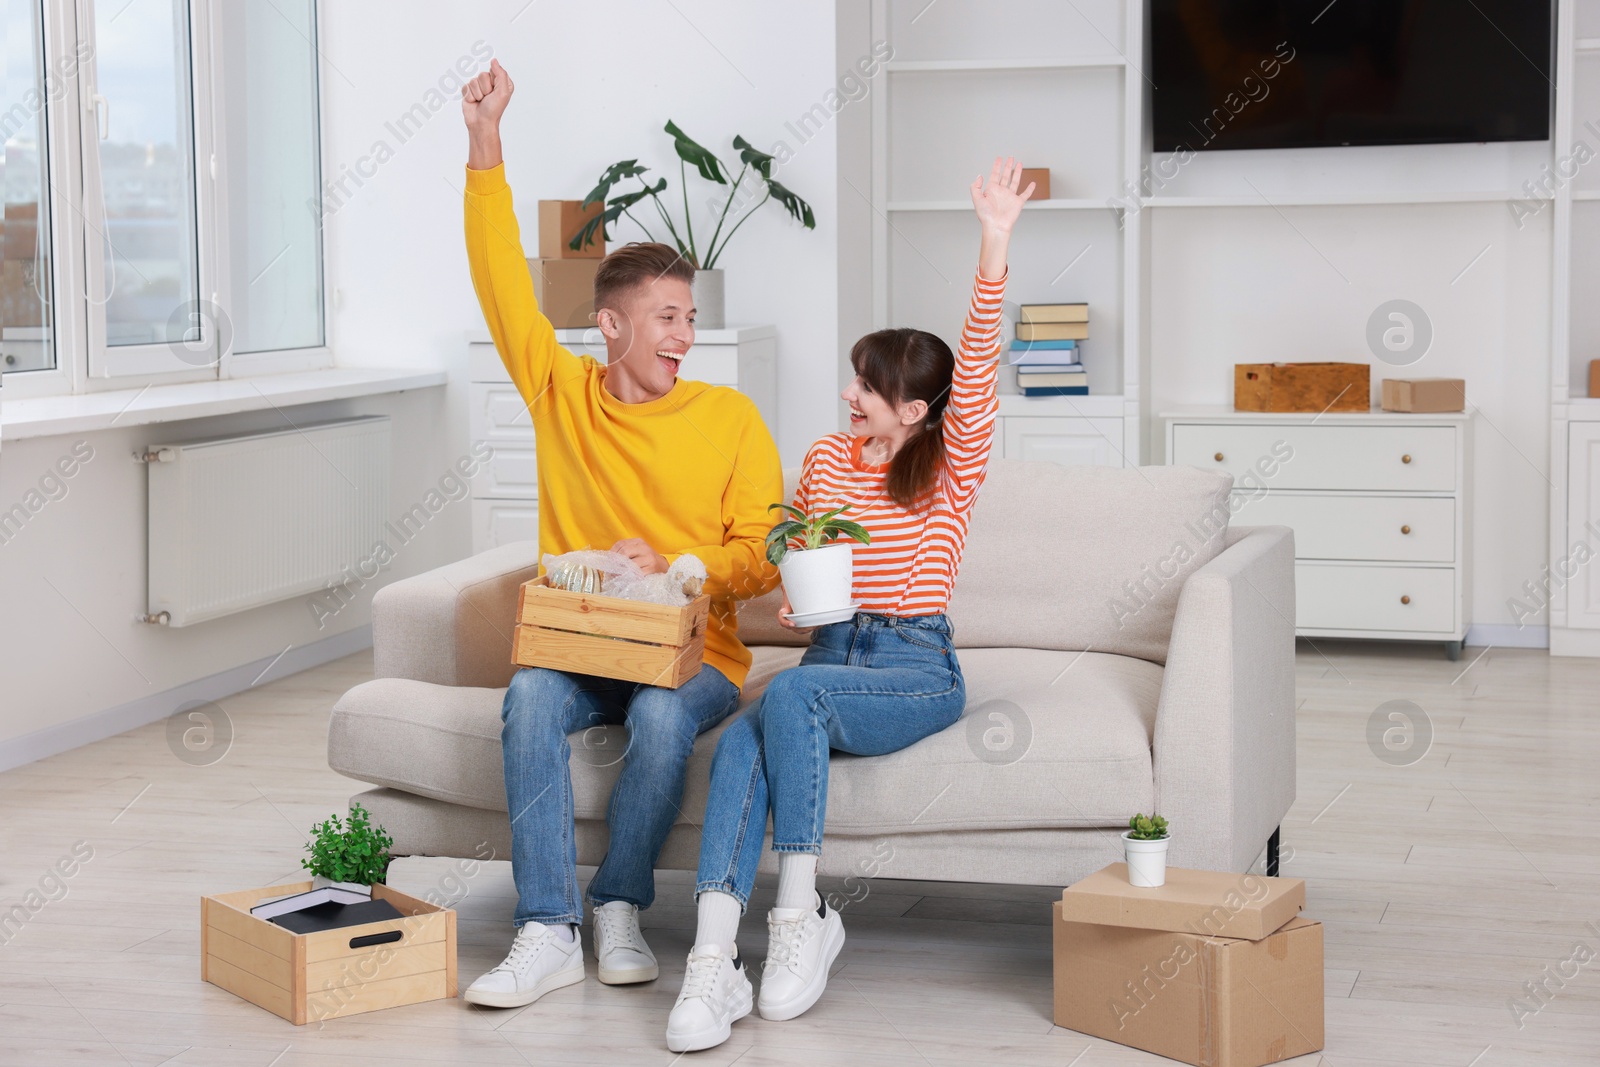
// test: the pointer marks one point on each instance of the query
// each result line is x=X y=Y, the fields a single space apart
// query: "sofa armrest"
x=453 y=625
x=1224 y=751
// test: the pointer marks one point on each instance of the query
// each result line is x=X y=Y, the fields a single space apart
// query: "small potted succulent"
x=351 y=855
x=1144 y=843
x=817 y=568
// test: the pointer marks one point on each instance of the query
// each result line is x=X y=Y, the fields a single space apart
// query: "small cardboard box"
x=1040 y=176
x=1314 y=387
x=1213 y=969
x=609 y=637
x=565 y=290
x=324 y=975
x=1594 y=379
x=1423 y=394
x=559 y=223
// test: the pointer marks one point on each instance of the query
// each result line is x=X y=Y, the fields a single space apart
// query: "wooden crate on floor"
x=310 y=977
x=609 y=637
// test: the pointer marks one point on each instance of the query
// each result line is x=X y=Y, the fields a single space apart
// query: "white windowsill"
x=48 y=416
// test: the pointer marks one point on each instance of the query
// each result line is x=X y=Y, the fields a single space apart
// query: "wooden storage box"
x=311 y=977
x=1313 y=387
x=610 y=637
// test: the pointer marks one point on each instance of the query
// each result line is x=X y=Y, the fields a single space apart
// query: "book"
x=1032 y=346
x=1027 y=353
x=1050 y=368
x=1044 y=381
x=275 y=906
x=332 y=915
x=1055 y=312
x=1052 y=331
x=1057 y=390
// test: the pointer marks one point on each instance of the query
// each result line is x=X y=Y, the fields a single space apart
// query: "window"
x=192 y=127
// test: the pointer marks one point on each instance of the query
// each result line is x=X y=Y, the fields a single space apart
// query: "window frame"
x=83 y=363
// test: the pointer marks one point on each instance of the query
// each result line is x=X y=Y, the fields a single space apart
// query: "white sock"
x=719 y=920
x=565 y=931
x=797 y=880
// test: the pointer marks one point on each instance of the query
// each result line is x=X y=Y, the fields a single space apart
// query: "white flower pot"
x=817 y=579
x=1147 y=861
x=708 y=302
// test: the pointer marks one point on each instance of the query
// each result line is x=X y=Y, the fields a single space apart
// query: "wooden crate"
x=1311 y=387
x=311 y=977
x=610 y=637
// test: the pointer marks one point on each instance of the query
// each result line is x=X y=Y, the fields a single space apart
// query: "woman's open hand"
x=999 y=204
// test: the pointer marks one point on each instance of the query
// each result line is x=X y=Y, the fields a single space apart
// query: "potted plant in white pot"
x=351 y=855
x=708 y=281
x=818 y=570
x=1144 y=843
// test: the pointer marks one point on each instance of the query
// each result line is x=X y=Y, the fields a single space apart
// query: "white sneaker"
x=716 y=994
x=801 y=945
x=539 y=961
x=619 y=946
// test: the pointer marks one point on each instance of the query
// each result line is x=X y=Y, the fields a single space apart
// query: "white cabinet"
x=1579 y=561
x=505 y=498
x=1067 y=440
x=1377 y=502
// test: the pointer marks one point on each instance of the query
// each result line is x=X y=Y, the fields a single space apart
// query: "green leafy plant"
x=354 y=851
x=1147 y=828
x=709 y=167
x=812 y=531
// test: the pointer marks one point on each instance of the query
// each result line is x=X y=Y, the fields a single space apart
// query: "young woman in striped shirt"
x=921 y=425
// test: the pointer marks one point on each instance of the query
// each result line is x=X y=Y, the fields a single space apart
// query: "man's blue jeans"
x=870 y=686
x=541 y=708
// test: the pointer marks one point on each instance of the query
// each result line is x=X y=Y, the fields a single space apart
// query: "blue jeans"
x=869 y=687
x=541 y=708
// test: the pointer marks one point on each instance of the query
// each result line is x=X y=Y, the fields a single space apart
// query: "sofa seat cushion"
x=1049 y=739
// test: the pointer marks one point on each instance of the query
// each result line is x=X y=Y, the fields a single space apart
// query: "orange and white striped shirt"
x=911 y=564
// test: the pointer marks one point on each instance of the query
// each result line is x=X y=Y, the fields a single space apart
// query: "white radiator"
x=238 y=522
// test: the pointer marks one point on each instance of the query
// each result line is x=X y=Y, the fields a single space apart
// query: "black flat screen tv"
x=1237 y=74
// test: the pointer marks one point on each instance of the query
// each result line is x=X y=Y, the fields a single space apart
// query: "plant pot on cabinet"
x=818 y=579
x=1147 y=861
x=708 y=300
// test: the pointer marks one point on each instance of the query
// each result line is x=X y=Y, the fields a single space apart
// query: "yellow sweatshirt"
x=692 y=472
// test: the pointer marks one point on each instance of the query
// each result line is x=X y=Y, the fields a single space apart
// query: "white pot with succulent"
x=1144 y=844
x=817 y=570
x=708 y=279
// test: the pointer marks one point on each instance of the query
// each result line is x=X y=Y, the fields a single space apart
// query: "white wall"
x=595 y=82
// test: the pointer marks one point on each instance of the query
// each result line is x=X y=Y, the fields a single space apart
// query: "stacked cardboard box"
x=563 y=277
x=1212 y=969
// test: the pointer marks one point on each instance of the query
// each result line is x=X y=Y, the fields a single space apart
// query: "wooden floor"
x=1446 y=882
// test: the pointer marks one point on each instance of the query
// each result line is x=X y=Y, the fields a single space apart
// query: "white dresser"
x=1378 y=505
x=505 y=499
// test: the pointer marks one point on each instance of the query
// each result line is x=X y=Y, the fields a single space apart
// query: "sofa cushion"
x=1085 y=557
x=1049 y=739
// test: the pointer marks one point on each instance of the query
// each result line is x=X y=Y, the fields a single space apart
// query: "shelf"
x=1350 y=200
x=1587 y=44
x=1061 y=204
x=1094 y=406
x=913 y=66
x=1586 y=194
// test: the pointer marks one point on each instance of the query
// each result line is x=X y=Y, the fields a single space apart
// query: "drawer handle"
x=1405 y=529
x=385 y=938
x=1406 y=458
x=1218 y=457
x=1405 y=600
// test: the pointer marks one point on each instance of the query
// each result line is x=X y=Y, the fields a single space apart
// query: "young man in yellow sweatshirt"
x=632 y=458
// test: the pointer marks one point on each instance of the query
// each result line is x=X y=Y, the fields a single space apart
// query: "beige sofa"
x=1123 y=649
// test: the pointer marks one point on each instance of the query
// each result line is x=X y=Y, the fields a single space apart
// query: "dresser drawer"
x=1356 y=597
x=498 y=414
x=513 y=471
x=500 y=522
x=1305 y=456
x=1406 y=529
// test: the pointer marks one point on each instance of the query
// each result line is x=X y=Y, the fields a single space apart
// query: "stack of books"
x=1045 y=352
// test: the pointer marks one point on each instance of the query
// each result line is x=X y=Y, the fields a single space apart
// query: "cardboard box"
x=1314 y=387
x=559 y=223
x=1594 y=378
x=1208 y=1001
x=565 y=290
x=1207 y=903
x=1423 y=394
x=610 y=637
x=1040 y=176
x=311 y=977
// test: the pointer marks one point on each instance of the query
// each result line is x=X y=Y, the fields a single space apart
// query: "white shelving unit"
x=943 y=110
x=1575 y=339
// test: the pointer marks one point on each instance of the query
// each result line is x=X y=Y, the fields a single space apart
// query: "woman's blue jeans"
x=869 y=687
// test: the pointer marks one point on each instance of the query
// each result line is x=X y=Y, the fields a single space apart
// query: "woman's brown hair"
x=904 y=365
